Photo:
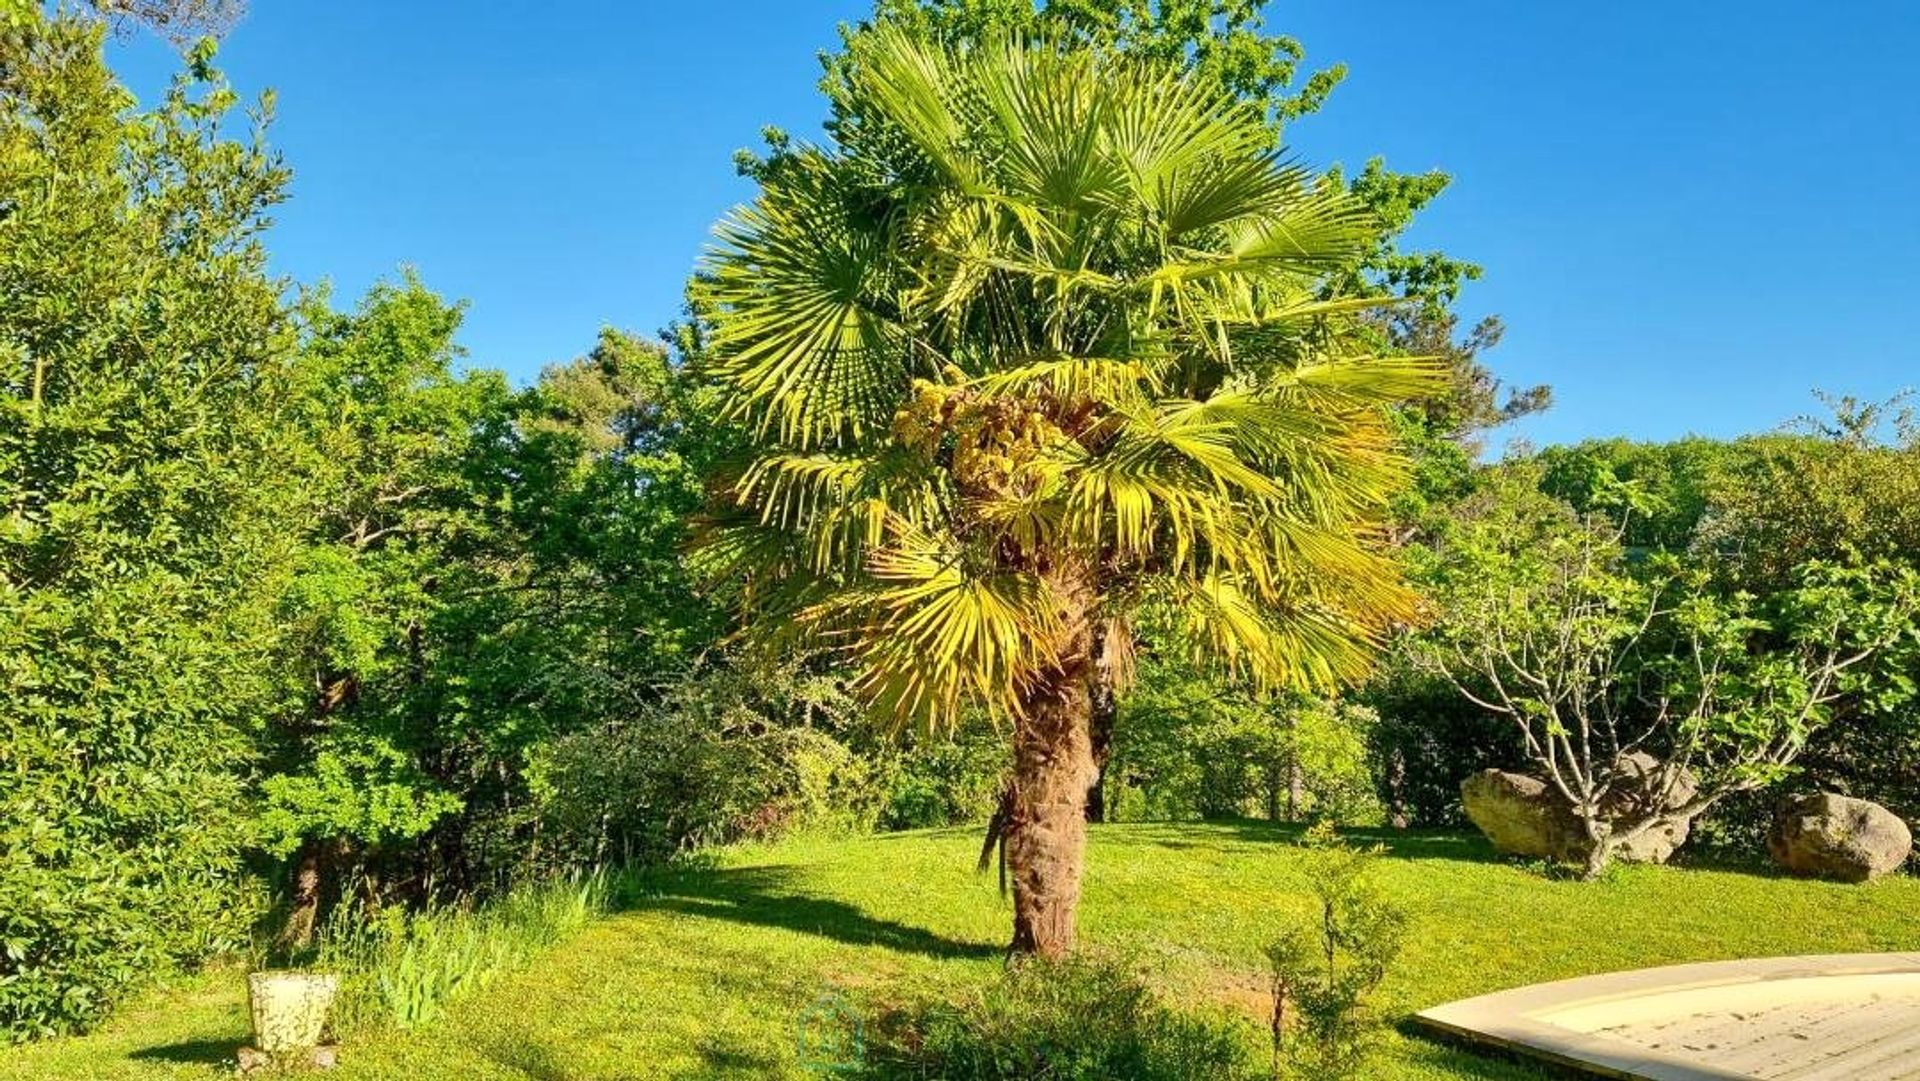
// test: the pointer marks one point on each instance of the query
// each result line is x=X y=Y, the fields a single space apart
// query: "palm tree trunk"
x=1052 y=768
x=1047 y=833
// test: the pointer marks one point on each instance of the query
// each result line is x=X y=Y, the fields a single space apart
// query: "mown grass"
x=706 y=973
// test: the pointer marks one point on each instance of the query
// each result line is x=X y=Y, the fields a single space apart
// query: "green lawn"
x=707 y=979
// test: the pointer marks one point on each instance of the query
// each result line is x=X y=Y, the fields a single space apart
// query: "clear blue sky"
x=1691 y=214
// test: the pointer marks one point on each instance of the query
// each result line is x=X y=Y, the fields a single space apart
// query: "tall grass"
x=403 y=968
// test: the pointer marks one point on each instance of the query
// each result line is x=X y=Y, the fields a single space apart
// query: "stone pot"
x=289 y=1009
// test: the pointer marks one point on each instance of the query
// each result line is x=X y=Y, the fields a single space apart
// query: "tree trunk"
x=1597 y=859
x=1397 y=814
x=1296 y=788
x=1102 y=710
x=304 y=914
x=1600 y=837
x=1052 y=769
x=1047 y=832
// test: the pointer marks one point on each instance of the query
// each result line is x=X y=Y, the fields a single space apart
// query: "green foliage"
x=485 y=571
x=1665 y=496
x=1593 y=653
x=1846 y=497
x=1220 y=41
x=1076 y=1020
x=381 y=428
x=1429 y=738
x=729 y=751
x=402 y=968
x=1190 y=745
x=1326 y=1023
x=943 y=781
x=137 y=324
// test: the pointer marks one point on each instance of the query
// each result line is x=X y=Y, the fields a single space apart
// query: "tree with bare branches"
x=182 y=22
x=1601 y=659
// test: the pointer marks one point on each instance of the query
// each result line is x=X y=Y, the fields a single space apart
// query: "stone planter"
x=289 y=1010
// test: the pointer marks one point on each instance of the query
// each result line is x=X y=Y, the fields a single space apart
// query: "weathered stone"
x=1634 y=795
x=1521 y=815
x=1657 y=844
x=1526 y=816
x=1640 y=772
x=1826 y=835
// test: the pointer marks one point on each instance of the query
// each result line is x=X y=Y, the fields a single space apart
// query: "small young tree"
x=1600 y=660
x=1327 y=974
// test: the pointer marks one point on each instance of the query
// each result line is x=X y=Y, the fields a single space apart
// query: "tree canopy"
x=1060 y=351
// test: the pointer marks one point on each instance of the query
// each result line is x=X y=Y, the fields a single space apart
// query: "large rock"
x=1825 y=835
x=1526 y=816
x=1635 y=794
x=1521 y=815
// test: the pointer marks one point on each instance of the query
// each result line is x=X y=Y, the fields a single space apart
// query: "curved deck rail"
x=1836 y=1017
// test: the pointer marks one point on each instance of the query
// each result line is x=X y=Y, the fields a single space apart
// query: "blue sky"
x=1691 y=214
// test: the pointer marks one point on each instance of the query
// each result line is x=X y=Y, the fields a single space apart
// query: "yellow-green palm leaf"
x=1072 y=354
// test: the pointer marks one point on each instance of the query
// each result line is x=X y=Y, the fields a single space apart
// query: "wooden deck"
x=1848 y=1017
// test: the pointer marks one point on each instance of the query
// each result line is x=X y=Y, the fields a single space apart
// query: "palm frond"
x=1276 y=647
x=930 y=631
x=1387 y=380
x=1125 y=383
x=1076 y=316
x=804 y=332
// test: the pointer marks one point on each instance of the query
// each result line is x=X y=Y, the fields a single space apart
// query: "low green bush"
x=1074 y=1020
x=731 y=751
x=1190 y=745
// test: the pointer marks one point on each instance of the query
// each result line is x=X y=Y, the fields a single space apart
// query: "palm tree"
x=1048 y=356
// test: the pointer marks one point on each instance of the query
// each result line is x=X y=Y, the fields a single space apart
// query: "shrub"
x=729 y=752
x=944 y=782
x=1325 y=975
x=136 y=323
x=1429 y=739
x=1189 y=745
x=1064 y=1021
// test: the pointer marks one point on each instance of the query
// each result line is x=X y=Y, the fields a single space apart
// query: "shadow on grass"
x=191 y=1053
x=762 y=897
x=538 y=1062
x=1459 y=845
x=728 y=1058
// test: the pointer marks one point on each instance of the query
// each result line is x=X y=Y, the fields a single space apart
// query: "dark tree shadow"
x=762 y=896
x=192 y=1052
x=1410 y=844
x=537 y=1062
x=723 y=1057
